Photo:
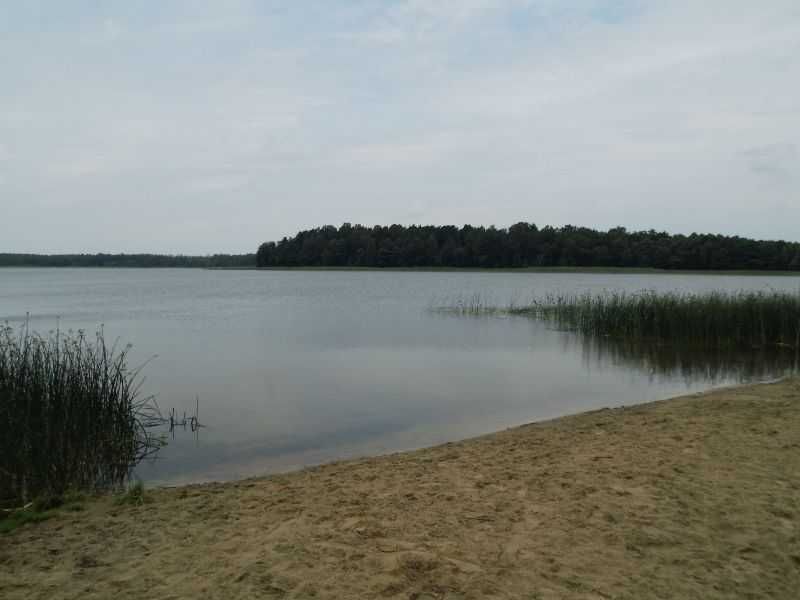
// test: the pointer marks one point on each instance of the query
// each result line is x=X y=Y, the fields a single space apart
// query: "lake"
x=294 y=368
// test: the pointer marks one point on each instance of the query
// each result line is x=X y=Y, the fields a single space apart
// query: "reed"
x=716 y=320
x=71 y=415
x=467 y=305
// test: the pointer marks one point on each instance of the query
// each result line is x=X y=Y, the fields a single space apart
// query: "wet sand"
x=693 y=497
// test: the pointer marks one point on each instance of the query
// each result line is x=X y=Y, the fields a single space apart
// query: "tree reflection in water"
x=692 y=363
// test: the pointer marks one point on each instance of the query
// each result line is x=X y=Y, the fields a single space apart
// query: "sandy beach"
x=692 y=497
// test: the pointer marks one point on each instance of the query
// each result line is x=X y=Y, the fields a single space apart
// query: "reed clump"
x=747 y=319
x=71 y=415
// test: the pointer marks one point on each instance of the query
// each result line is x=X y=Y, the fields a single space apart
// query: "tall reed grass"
x=71 y=415
x=748 y=319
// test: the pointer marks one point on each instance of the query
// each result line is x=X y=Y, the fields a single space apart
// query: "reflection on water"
x=690 y=363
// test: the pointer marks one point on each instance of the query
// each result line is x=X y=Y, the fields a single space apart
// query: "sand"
x=694 y=497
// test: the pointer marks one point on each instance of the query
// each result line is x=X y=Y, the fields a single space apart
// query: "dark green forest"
x=126 y=260
x=523 y=245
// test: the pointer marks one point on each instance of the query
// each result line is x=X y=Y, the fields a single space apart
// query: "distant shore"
x=608 y=270
x=694 y=496
x=605 y=270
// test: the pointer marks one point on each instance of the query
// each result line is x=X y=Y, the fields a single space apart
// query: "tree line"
x=522 y=245
x=126 y=260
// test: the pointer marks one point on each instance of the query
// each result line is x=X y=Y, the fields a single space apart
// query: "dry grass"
x=695 y=497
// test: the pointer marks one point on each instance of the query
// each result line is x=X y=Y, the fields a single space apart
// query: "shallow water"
x=299 y=367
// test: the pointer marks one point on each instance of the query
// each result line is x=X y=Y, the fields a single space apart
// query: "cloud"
x=216 y=183
x=775 y=161
x=261 y=118
x=419 y=153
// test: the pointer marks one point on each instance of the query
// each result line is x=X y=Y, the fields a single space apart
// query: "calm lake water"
x=299 y=367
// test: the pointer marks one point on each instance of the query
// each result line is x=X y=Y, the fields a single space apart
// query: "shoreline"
x=578 y=270
x=693 y=496
x=600 y=270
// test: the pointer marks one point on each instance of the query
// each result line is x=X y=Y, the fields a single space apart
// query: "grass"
x=474 y=305
x=48 y=506
x=71 y=416
x=41 y=509
x=741 y=320
x=712 y=320
x=21 y=517
x=134 y=495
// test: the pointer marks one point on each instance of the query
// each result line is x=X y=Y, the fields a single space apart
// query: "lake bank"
x=696 y=496
x=567 y=270
x=600 y=270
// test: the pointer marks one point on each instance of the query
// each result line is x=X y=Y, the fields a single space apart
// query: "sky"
x=205 y=126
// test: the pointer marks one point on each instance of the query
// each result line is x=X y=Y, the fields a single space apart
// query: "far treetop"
x=522 y=245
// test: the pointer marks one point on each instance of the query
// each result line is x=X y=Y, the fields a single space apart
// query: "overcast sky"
x=200 y=127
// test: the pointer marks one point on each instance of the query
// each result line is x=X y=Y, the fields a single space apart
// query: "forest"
x=126 y=260
x=523 y=245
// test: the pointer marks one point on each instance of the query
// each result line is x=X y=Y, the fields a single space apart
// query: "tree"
x=522 y=244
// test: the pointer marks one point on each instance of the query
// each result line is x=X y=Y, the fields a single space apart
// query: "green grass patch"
x=21 y=517
x=135 y=495
x=41 y=509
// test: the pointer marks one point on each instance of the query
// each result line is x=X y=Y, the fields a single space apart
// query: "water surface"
x=298 y=367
